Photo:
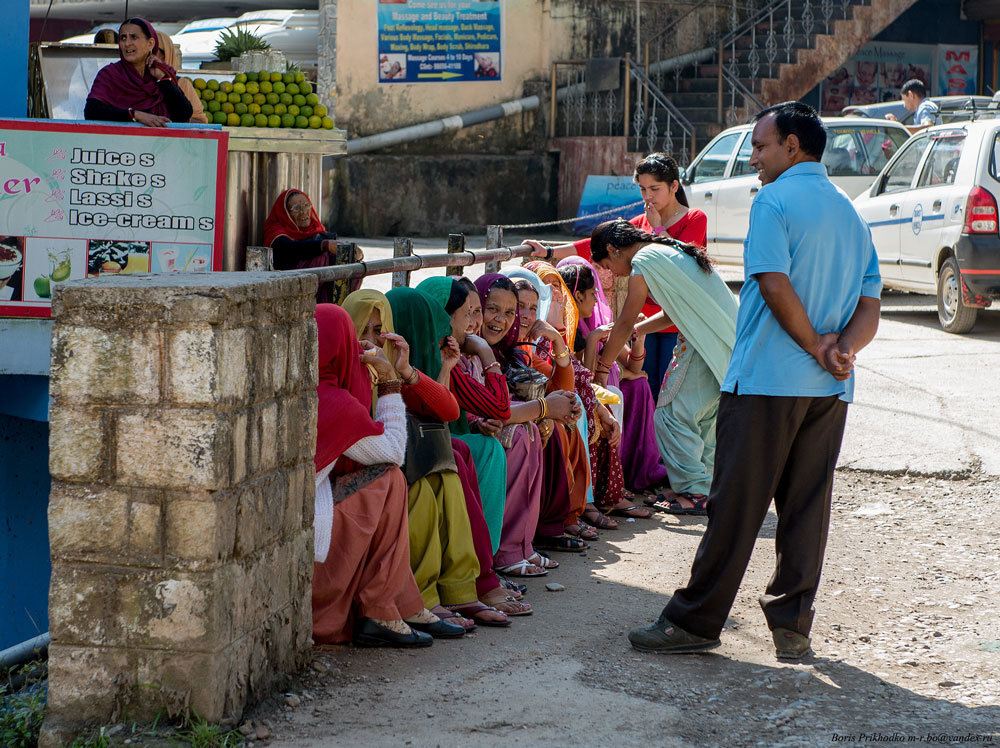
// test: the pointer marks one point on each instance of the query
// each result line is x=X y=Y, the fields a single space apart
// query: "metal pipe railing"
x=416 y=262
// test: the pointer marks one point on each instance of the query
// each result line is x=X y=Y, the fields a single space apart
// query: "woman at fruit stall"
x=299 y=240
x=141 y=87
x=172 y=56
x=363 y=590
x=666 y=213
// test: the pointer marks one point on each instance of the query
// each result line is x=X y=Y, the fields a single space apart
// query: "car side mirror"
x=684 y=176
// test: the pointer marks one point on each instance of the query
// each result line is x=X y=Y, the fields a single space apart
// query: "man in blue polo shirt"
x=810 y=302
x=914 y=97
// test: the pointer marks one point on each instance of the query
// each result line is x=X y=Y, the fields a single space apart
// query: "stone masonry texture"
x=180 y=517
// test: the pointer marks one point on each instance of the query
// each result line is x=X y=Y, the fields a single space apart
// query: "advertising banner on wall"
x=957 y=65
x=876 y=73
x=85 y=200
x=429 y=41
x=601 y=193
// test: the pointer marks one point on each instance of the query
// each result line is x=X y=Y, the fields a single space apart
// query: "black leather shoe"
x=371 y=634
x=439 y=630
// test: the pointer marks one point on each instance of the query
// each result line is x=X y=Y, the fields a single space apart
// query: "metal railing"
x=640 y=110
x=782 y=33
x=403 y=262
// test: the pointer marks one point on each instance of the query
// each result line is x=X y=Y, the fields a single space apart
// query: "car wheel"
x=953 y=315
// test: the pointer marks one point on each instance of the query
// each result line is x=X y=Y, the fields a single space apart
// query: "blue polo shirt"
x=927 y=113
x=804 y=226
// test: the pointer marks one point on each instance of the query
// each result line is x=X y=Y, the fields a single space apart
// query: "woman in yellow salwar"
x=442 y=553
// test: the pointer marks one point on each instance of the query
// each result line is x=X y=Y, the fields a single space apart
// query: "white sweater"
x=371 y=450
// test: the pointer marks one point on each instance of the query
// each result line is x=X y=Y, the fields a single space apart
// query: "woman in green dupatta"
x=487 y=453
x=678 y=277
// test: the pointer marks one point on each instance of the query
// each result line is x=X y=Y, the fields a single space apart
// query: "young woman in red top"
x=666 y=210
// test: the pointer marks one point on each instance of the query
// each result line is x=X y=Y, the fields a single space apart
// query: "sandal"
x=543 y=561
x=475 y=611
x=447 y=614
x=561 y=543
x=653 y=498
x=600 y=520
x=631 y=511
x=520 y=569
x=674 y=506
x=581 y=530
x=509 y=605
x=514 y=589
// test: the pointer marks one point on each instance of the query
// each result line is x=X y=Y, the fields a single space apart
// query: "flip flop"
x=625 y=512
x=544 y=561
x=583 y=531
x=475 y=609
x=603 y=521
x=561 y=543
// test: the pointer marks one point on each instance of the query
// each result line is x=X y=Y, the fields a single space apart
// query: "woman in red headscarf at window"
x=140 y=87
x=299 y=240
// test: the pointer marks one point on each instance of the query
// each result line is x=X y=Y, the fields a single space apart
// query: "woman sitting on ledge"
x=299 y=240
x=140 y=87
x=363 y=589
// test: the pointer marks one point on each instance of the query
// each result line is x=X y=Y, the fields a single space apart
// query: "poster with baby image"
x=876 y=74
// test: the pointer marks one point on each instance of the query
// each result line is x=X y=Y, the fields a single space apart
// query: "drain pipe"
x=440 y=126
x=21 y=653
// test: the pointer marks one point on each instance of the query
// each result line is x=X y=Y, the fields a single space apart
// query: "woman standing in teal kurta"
x=679 y=278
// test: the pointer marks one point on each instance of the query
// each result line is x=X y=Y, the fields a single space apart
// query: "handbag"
x=428 y=448
x=524 y=382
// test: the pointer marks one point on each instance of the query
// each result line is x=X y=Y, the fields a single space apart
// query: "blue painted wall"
x=24 y=536
x=14 y=53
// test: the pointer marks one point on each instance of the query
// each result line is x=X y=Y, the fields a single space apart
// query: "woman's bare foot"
x=505 y=603
x=424 y=616
x=450 y=616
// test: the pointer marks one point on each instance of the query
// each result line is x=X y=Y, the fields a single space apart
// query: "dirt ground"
x=906 y=640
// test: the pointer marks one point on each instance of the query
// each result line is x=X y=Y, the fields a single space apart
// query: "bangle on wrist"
x=543 y=408
x=564 y=354
x=604 y=366
x=131 y=113
x=490 y=366
x=633 y=357
x=413 y=378
x=549 y=252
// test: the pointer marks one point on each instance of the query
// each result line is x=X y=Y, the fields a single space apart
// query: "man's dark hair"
x=915 y=85
x=794 y=117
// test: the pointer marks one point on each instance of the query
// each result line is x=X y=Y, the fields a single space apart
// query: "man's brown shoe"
x=790 y=645
x=663 y=637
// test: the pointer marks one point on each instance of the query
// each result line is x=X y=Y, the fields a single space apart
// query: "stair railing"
x=677 y=125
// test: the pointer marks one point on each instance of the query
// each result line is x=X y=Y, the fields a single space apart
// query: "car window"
x=900 y=174
x=942 y=161
x=878 y=146
x=742 y=166
x=713 y=163
x=842 y=157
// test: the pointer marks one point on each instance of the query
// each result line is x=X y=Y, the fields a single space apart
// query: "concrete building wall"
x=535 y=32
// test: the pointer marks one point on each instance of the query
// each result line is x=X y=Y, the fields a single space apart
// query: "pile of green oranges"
x=263 y=100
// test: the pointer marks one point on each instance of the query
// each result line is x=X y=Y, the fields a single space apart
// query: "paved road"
x=924 y=398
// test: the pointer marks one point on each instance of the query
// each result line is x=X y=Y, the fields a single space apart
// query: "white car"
x=933 y=216
x=198 y=39
x=292 y=32
x=721 y=182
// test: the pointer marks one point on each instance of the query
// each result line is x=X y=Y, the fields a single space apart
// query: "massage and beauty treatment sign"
x=425 y=41
x=85 y=200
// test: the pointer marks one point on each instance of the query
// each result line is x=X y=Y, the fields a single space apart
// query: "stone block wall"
x=180 y=518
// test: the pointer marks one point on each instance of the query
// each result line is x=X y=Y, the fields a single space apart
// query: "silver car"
x=721 y=182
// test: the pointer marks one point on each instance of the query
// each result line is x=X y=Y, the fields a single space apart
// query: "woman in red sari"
x=299 y=240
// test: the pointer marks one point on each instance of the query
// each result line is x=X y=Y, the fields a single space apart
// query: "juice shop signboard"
x=86 y=200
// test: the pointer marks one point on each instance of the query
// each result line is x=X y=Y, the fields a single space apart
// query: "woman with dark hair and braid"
x=680 y=279
x=665 y=213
